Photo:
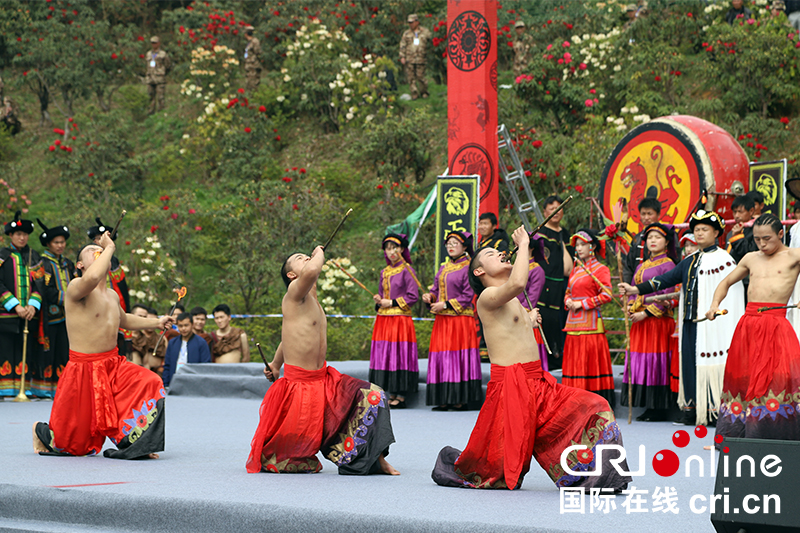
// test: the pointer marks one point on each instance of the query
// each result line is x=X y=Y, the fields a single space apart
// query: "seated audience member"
x=188 y=348
x=144 y=342
x=230 y=344
x=199 y=325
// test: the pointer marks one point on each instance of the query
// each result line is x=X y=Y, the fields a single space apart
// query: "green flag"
x=414 y=221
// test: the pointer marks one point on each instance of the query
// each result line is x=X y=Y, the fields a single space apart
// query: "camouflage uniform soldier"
x=413 y=54
x=158 y=65
x=522 y=47
x=252 y=60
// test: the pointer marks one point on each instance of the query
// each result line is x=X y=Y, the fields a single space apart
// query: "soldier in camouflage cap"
x=252 y=60
x=158 y=65
x=413 y=55
x=522 y=47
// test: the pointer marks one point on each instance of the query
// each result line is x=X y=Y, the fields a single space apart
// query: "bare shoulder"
x=794 y=253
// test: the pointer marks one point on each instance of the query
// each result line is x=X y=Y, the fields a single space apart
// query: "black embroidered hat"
x=99 y=229
x=17 y=224
x=51 y=233
x=709 y=218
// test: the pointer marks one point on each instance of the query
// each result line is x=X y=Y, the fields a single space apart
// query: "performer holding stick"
x=763 y=369
x=100 y=394
x=704 y=348
x=587 y=359
x=393 y=359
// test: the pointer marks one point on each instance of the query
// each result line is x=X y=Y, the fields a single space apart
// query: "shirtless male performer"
x=526 y=413
x=100 y=394
x=762 y=376
x=314 y=407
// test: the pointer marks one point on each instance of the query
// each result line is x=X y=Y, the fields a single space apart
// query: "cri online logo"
x=665 y=462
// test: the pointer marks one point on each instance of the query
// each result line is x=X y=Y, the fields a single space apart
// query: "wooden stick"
x=627 y=341
x=114 y=233
x=538 y=228
x=662 y=297
x=721 y=312
x=541 y=331
x=22 y=397
x=762 y=309
x=325 y=246
x=411 y=271
x=181 y=293
x=258 y=345
x=605 y=289
x=349 y=275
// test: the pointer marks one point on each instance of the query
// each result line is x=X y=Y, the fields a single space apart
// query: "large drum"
x=674 y=159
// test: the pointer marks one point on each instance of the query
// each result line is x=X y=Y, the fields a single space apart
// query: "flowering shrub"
x=149 y=271
x=212 y=71
x=339 y=295
x=11 y=201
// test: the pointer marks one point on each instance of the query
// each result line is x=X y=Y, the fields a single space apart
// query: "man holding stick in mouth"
x=100 y=394
x=762 y=376
x=314 y=407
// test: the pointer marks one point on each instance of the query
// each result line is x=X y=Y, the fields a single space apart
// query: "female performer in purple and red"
x=651 y=332
x=454 y=365
x=393 y=360
x=587 y=360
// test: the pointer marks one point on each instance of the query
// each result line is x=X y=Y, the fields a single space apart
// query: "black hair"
x=151 y=310
x=140 y=306
x=474 y=281
x=768 y=219
x=649 y=203
x=180 y=307
x=285 y=270
x=745 y=201
x=82 y=248
x=550 y=199
x=491 y=217
x=222 y=307
x=184 y=316
x=756 y=196
x=796 y=207
x=197 y=311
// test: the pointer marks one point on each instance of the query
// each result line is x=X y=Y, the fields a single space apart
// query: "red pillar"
x=472 y=94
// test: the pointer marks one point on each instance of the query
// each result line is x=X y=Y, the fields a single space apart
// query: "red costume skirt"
x=103 y=395
x=761 y=387
x=675 y=364
x=311 y=410
x=527 y=413
x=649 y=360
x=587 y=365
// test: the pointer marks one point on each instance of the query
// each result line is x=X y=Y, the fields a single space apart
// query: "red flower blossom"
x=784 y=120
x=658 y=78
x=113 y=56
x=579 y=189
x=58 y=131
x=589 y=102
x=592 y=91
x=294 y=206
x=192 y=211
x=542 y=175
x=174 y=216
x=198 y=228
x=302 y=171
x=537 y=144
x=278 y=138
x=247 y=129
x=379 y=186
x=287 y=179
x=91 y=174
x=127 y=243
x=153 y=228
x=611 y=230
x=241 y=91
x=165 y=208
x=262 y=109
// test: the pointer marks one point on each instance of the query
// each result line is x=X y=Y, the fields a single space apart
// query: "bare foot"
x=38 y=445
x=152 y=456
x=386 y=468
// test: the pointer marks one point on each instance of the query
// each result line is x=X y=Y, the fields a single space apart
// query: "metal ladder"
x=516 y=177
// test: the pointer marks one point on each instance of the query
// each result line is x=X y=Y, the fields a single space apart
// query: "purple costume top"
x=535 y=284
x=647 y=270
x=451 y=285
x=397 y=284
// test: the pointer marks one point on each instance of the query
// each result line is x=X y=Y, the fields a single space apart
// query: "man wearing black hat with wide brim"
x=116 y=279
x=20 y=297
x=704 y=345
x=58 y=272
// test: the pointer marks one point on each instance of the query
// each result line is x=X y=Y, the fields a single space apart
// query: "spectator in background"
x=740 y=238
x=158 y=66
x=649 y=209
x=173 y=331
x=199 y=325
x=491 y=236
x=252 y=61
x=737 y=11
x=414 y=46
x=230 y=344
x=777 y=8
x=556 y=269
x=758 y=200
x=522 y=48
x=188 y=348
x=144 y=342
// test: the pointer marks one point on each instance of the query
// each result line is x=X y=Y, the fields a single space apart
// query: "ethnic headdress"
x=668 y=233
x=48 y=234
x=99 y=229
x=17 y=224
x=709 y=218
x=464 y=237
x=589 y=236
x=400 y=240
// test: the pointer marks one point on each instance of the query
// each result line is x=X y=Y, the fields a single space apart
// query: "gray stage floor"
x=200 y=483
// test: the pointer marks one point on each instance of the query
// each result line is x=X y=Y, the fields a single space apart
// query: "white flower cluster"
x=710 y=8
x=599 y=51
x=318 y=34
x=334 y=279
x=349 y=76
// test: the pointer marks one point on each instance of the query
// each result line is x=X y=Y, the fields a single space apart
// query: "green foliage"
x=398 y=147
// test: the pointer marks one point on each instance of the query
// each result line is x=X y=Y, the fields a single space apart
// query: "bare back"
x=508 y=332
x=304 y=335
x=772 y=277
x=92 y=321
